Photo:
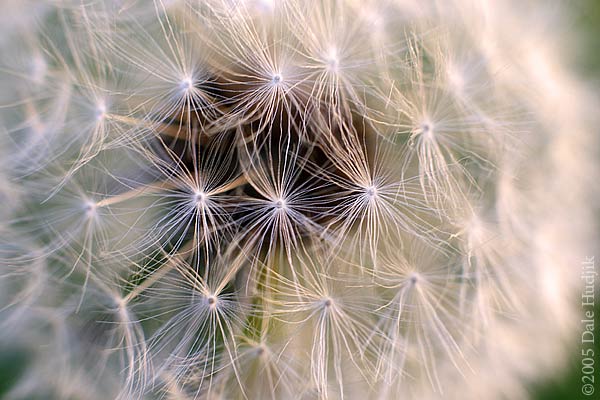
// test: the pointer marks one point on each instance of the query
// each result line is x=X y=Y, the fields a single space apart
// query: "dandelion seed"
x=331 y=60
x=327 y=303
x=280 y=205
x=101 y=111
x=90 y=209
x=371 y=192
x=211 y=301
x=276 y=79
x=200 y=198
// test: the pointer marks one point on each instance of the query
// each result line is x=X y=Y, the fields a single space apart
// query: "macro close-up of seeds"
x=294 y=199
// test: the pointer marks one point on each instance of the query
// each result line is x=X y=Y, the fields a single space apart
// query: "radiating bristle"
x=285 y=199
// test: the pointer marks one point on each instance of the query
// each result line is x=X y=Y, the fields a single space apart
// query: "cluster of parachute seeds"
x=284 y=199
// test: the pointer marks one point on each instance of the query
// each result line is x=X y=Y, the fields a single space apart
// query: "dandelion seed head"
x=332 y=61
x=211 y=301
x=327 y=302
x=414 y=278
x=426 y=129
x=291 y=199
x=200 y=197
x=101 y=111
x=186 y=84
x=280 y=204
x=277 y=79
x=260 y=350
x=371 y=192
x=90 y=208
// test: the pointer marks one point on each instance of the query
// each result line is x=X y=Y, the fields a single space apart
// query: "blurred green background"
x=587 y=23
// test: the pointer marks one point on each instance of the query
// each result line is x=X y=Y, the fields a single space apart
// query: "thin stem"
x=159 y=273
x=239 y=181
x=162 y=128
x=151 y=188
